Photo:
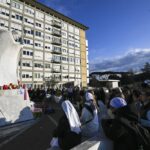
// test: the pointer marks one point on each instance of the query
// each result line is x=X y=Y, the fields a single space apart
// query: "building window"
x=28 y=31
x=4 y=11
x=28 y=53
x=29 y=10
x=39 y=34
x=17 y=5
x=27 y=41
x=3 y=23
x=5 y=2
x=47 y=66
x=38 y=24
x=29 y=20
x=38 y=65
x=17 y=16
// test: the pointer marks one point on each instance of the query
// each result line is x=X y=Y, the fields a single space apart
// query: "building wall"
x=83 y=58
x=52 y=47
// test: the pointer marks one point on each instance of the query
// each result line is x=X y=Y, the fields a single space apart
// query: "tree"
x=146 y=68
x=114 y=77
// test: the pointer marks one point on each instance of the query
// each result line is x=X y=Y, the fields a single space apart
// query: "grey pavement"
x=38 y=136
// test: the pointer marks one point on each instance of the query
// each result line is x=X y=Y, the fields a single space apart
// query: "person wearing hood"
x=68 y=132
x=89 y=116
x=120 y=129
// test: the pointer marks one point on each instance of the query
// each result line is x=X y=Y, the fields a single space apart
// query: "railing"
x=56 y=51
x=56 y=41
x=56 y=70
x=56 y=32
x=56 y=61
x=56 y=23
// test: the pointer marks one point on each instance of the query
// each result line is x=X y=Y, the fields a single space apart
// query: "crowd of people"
x=121 y=115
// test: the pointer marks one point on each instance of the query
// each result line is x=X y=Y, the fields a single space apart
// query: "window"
x=71 y=51
x=64 y=34
x=29 y=10
x=47 y=47
x=38 y=75
x=48 y=18
x=5 y=2
x=47 y=27
x=38 y=24
x=37 y=33
x=70 y=28
x=47 y=66
x=29 y=20
x=28 y=53
x=27 y=63
x=27 y=41
x=27 y=75
x=39 y=15
x=15 y=26
x=38 y=65
x=56 y=40
x=28 y=31
x=76 y=31
x=71 y=36
x=17 y=16
x=64 y=41
x=64 y=50
x=17 y=5
x=77 y=52
x=64 y=25
x=4 y=11
x=71 y=44
x=71 y=59
x=56 y=48
x=48 y=37
x=3 y=23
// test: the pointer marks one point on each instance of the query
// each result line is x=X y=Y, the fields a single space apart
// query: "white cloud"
x=133 y=58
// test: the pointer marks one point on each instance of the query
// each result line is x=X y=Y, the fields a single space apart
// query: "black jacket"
x=66 y=138
x=123 y=137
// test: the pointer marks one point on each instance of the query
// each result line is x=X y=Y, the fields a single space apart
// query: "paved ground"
x=36 y=137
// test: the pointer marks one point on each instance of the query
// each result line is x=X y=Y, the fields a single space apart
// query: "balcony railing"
x=54 y=51
x=56 y=70
x=56 y=23
x=56 y=61
x=56 y=41
x=56 y=32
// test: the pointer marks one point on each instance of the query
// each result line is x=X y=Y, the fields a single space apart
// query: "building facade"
x=55 y=46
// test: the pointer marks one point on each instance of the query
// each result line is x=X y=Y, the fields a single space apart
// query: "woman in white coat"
x=89 y=117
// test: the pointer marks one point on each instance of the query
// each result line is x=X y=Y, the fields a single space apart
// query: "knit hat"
x=118 y=102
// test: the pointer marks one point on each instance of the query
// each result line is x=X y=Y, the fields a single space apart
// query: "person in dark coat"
x=68 y=132
x=120 y=129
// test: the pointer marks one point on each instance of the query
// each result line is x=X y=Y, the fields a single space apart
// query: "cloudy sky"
x=119 y=34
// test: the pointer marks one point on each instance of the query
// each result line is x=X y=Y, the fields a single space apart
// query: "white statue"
x=9 y=56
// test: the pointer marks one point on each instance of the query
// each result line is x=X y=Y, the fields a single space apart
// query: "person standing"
x=68 y=132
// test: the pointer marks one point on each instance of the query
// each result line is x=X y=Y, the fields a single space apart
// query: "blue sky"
x=119 y=31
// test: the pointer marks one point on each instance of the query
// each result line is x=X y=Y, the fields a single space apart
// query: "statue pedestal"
x=13 y=107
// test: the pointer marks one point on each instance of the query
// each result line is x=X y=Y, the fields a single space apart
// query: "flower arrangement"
x=9 y=87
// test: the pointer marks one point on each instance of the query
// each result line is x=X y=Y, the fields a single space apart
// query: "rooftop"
x=51 y=11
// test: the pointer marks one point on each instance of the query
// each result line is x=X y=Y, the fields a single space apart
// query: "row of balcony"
x=56 y=23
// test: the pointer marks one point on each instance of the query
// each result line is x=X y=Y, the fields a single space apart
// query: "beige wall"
x=83 y=58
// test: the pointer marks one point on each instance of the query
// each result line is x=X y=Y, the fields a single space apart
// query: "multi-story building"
x=54 y=45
